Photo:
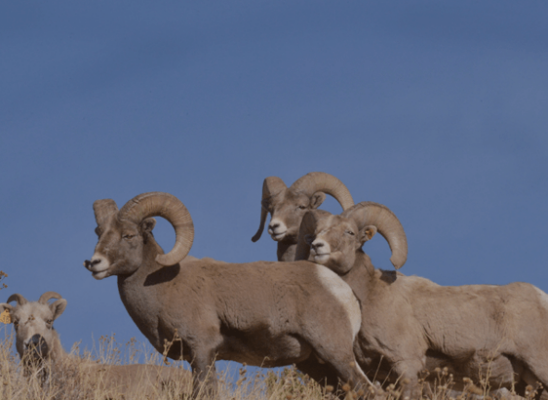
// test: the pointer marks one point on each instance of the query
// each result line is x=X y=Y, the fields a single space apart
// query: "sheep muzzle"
x=37 y=349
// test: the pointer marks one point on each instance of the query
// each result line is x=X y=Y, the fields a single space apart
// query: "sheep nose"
x=88 y=264
x=316 y=245
x=35 y=340
x=38 y=346
x=273 y=226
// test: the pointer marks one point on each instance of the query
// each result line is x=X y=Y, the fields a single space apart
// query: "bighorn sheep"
x=287 y=205
x=410 y=324
x=37 y=342
x=261 y=313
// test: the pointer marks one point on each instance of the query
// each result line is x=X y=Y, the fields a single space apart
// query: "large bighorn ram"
x=287 y=205
x=37 y=342
x=262 y=313
x=410 y=324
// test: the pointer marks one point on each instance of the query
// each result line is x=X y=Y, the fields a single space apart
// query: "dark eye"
x=98 y=231
x=128 y=236
x=309 y=239
x=302 y=207
x=15 y=324
x=49 y=322
x=349 y=232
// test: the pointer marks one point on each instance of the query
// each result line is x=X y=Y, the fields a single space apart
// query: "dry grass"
x=75 y=383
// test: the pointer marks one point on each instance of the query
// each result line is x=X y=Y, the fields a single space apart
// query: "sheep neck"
x=57 y=352
x=286 y=251
x=369 y=285
x=361 y=277
x=142 y=294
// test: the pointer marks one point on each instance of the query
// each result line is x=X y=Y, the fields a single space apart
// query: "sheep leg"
x=535 y=374
x=408 y=372
x=344 y=366
x=204 y=375
x=351 y=373
x=321 y=373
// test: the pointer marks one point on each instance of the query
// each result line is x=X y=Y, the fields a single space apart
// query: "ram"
x=410 y=324
x=287 y=205
x=261 y=313
x=37 y=342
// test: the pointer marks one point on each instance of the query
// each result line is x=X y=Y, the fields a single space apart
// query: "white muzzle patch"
x=277 y=229
x=320 y=250
x=99 y=266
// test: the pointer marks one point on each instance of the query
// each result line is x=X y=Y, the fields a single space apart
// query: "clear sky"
x=438 y=110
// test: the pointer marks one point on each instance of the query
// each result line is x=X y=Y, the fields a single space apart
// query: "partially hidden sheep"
x=39 y=346
x=410 y=323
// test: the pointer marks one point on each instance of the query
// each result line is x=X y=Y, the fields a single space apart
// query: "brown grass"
x=288 y=384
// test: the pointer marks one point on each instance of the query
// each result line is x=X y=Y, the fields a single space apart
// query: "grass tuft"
x=76 y=383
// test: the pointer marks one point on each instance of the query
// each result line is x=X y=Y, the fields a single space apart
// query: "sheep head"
x=123 y=235
x=287 y=206
x=333 y=240
x=33 y=323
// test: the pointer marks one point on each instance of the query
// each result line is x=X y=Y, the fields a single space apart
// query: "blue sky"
x=436 y=109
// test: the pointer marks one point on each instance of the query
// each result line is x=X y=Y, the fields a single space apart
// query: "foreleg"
x=204 y=375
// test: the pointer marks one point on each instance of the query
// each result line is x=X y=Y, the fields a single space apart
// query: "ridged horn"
x=103 y=209
x=18 y=298
x=388 y=225
x=48 y=296
x=271 y=186
x=165 y=205
x=322 y=182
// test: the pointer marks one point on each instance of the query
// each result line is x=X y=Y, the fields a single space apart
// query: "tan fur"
x=410 y=323
x=287 y=205
x=343 y=294
x=263 y=313
x=132 y=381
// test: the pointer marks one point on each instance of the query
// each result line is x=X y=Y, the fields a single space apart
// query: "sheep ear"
x=367 y=233
x=58 y=307
x=6 y=306
x=317 y=199
x=5 y=313
x=148 y=225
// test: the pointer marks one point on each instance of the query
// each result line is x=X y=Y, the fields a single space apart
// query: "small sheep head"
x=123 y=234
x=287 y=206
x=33 y=323
x=333 y=240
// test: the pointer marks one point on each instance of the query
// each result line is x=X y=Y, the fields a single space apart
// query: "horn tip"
x=397 y=262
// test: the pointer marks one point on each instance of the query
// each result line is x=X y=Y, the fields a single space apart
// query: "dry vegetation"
x=75 y=383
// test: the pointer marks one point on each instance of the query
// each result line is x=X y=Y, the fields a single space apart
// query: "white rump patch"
x=543 y=298
x=333 y=283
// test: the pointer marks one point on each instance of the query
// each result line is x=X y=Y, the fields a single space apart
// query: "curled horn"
x=48 y=296
x=164 y=205
x=18 y=298
x=321 y=182
x=387 y=224
x=271 y=186
x=103 y=209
